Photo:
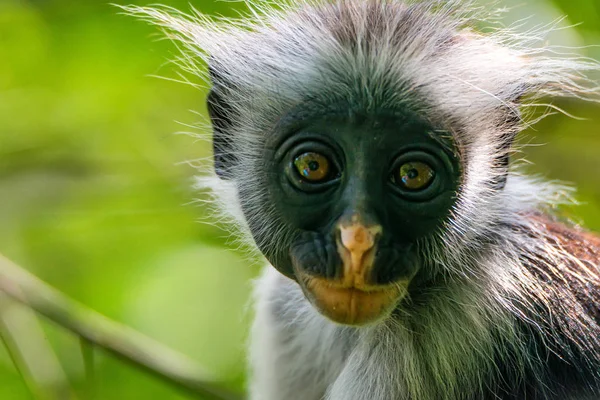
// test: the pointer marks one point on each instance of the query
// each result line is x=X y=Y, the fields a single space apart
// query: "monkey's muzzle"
x=352 y=298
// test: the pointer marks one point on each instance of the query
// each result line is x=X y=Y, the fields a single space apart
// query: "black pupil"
x=413 y=173
x=313 y=165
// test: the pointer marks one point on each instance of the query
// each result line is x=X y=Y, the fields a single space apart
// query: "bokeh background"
x=95 y=191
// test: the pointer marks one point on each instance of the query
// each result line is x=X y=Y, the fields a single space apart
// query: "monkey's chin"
x=352 y=305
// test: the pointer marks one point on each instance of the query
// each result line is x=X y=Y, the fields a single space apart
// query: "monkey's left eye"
x=414 y=176
x=312 y=167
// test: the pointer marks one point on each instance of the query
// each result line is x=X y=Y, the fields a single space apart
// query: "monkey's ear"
x=221 y=116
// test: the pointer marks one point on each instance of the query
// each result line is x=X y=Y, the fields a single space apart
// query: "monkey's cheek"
x=352 y=306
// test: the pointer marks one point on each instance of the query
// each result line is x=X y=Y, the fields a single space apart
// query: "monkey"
x=365 y=148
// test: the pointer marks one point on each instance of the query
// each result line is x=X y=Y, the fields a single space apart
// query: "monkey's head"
x=364 y=144
x=341 y=196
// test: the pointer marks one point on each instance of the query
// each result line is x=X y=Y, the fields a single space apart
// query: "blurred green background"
x=96 y=198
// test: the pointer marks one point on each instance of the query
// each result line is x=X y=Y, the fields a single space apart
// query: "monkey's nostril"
x=357 y=237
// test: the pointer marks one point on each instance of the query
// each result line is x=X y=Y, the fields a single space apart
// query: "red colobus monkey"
x=363 y=146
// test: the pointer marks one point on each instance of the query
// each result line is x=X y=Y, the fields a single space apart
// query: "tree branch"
x=118 y=339
x=28 y=348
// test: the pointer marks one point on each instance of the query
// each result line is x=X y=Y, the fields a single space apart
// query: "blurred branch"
x=87 y=353
x=118 y=339
x=28 y=348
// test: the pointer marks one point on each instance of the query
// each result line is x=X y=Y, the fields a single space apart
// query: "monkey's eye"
x=312 y=167
x=414 y=176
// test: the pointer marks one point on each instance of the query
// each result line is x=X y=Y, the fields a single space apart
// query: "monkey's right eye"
x=312 y=167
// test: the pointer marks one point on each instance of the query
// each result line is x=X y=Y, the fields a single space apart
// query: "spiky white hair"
x=481 y=88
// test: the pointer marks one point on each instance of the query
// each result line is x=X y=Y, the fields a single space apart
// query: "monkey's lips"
x=353 y=304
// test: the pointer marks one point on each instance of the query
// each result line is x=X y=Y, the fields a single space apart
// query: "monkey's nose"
x=357 y=239
x=356 y=246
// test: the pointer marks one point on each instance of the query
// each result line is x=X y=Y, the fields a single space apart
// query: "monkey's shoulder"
x=566 y=262
x=563 y=263
x=583 y=244
x=565 y=243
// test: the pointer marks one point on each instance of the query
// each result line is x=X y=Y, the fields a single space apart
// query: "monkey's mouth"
x=353 y=304
x=340 y=282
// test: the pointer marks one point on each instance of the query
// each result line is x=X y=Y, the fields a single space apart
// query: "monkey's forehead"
x=376 y=54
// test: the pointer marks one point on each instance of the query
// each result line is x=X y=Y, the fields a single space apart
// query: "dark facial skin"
x=356 y=191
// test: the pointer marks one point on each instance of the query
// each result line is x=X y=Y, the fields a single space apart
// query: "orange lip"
x=353 y=298
x=351 y=305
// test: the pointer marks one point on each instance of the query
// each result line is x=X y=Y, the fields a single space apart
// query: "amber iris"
x=312 y=167
x=414 y=175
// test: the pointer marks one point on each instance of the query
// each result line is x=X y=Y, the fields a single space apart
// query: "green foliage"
x=94 y=198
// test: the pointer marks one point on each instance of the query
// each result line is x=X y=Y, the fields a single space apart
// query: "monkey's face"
x=355 y=194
